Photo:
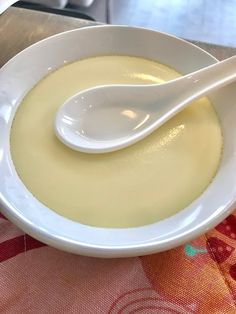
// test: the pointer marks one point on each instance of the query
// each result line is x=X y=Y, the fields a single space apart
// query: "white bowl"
x=22 y=72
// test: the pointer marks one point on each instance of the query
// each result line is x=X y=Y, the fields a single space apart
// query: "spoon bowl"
x=96 y=126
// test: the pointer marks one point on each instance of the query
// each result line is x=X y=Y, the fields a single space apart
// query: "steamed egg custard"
x=144 y=183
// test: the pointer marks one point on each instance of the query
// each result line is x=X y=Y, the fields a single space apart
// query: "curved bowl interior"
x=22 y=72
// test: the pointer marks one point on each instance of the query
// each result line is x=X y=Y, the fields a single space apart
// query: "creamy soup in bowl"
x=143 y=184
x=152 y=196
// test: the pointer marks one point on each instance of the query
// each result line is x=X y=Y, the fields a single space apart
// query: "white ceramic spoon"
x=108 y=118
x=5 y=4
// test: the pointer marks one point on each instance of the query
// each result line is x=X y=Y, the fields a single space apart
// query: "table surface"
x=19 y=28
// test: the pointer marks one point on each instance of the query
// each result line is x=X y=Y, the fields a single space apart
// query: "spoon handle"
x=208 y=79
x=175 y=95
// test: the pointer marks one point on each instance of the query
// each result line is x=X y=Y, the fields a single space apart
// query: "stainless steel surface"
x=20 y=28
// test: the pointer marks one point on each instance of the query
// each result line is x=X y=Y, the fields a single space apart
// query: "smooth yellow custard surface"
x=144 y=183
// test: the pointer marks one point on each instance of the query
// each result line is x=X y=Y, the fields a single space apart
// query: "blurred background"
x=212 y=21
